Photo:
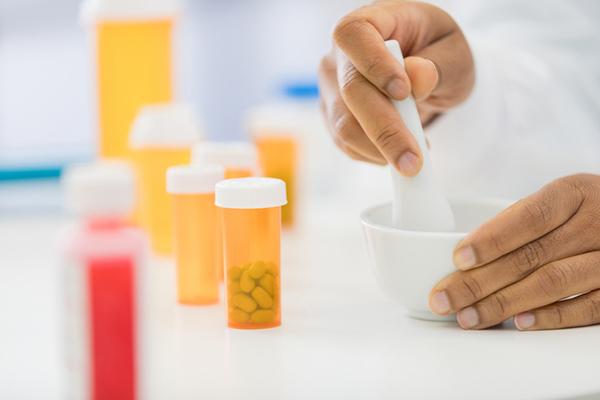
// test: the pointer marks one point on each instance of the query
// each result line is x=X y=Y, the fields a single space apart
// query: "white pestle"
x=418 y=204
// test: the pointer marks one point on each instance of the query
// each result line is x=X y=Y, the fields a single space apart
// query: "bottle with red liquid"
x=103 y=257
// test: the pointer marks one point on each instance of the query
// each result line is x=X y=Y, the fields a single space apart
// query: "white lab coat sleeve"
x=534 y=114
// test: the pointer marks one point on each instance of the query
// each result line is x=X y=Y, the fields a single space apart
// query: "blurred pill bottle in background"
x=197 y=244
x=134 y=61
x=104 y=259
x=239 y=158
x=251 y=222
x=162 y=136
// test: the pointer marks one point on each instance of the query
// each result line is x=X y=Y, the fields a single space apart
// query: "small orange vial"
x=251 y=222
x=162 y=136
x=197 y=251
x=239 y=159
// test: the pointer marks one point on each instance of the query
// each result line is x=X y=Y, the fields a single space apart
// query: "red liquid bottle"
x=103 y=258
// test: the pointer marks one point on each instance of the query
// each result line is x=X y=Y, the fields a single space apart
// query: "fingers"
x=549 y=284
x=521 y=223
x=580 y=311
x=463 y=288
x=423 y=75
x=378 y=118
x=347 y=133
x=360 y=35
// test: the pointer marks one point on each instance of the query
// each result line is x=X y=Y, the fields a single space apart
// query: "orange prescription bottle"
x=239 y=159
x=197 y=248
x=104 y=259
x=251 y=222
x=277 y=145
x=161 y=137
x=133 y=46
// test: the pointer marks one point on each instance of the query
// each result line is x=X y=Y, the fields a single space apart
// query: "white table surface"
x=340 y=338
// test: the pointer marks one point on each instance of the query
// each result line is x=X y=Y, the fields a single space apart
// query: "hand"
x=527 y=260
x=359 y=74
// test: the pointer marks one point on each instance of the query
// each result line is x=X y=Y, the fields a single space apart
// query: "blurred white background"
x=229 y=55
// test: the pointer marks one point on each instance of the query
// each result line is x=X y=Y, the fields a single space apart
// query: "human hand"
x=359 y=75
x=522 y=263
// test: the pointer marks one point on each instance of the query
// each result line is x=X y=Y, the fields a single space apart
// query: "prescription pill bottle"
x=251 y=222
x=239 y=158
x=161 y=137
x=103 y=260
x=134 y=62
x=197 y=248
x=275 y=133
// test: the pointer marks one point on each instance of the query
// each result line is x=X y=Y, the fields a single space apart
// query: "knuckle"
x=347 y=28
x=387 y=137
x=351 y=78
x=343 y=128
x=471 y=288
x=375 y=66
x=539 y=212
x=529 y=257
x=554 y=279
x=497 y=306
x=593 y=308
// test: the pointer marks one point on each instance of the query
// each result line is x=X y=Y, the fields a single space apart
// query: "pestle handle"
x=418 y=202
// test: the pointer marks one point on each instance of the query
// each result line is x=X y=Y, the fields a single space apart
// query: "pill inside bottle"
x=251 y=223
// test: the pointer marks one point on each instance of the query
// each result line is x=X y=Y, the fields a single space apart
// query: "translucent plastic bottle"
x=133 y=54
x=251 y=221
x=239 y=159
x=162 y=136
x=103 y=259
x=196 y=232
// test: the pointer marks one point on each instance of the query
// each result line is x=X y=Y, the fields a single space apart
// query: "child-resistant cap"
x=250 y=193
x=100 y=189
x=192 y=179
x=241 y=155
x=94 y=10
x=165 y=125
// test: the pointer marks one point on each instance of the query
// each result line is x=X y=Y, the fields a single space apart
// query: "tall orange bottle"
x=133 y=55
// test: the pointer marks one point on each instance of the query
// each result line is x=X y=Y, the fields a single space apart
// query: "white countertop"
x=340 y=338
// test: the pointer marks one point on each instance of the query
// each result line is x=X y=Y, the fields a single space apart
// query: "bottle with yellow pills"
x=239 y=158
x=161 y=137
x=134 y=62
x=197 y=250
x=251 y=221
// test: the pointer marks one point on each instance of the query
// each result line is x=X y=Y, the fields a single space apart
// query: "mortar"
x=407 y=264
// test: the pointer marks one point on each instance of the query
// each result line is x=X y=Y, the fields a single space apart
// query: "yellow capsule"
x=235 y=273
x=257 y=269
x=262 y=316
x=271 y=268
x=239 y=316
x=244 y=302
x=261 y=296
x=268 y=283
x=234 y=287
x=246 y=282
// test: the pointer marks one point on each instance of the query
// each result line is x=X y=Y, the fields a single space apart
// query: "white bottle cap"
x=272 y=120
x=100 y=189
x=165 y=125
x=240 y=155
x=94 y=10
x=250 y=193
x=194 y=179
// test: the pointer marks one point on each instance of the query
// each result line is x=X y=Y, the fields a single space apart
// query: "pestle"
x=418 y=203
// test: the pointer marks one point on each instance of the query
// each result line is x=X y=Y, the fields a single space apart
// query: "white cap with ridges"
x=194 y=179
x=241 y=155
x=165 y=125
x=93 y=10
x=250 y=193
x=100 y=189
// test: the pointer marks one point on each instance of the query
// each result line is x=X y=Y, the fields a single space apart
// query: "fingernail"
x=397 y=89
x=464 y=258
x=408 y=163
x=439 y=303
x=468 y=318
x=524 y=321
